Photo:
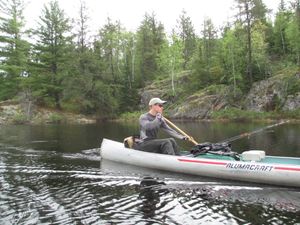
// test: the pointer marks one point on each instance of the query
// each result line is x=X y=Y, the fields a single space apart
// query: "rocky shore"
x=12 y=112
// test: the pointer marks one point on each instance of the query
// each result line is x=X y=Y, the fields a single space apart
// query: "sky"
x=131 y=12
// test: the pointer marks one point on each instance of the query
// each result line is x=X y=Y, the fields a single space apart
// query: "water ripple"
x=40 y=187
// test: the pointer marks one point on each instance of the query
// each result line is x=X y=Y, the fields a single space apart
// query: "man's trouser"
x=162 y=146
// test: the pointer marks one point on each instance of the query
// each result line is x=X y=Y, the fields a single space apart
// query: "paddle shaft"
x=191 y=139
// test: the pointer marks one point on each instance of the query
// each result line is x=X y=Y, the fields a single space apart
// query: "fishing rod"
x=224 y=147
x=248 y=134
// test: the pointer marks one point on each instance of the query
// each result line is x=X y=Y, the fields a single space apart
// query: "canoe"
x=253 y=166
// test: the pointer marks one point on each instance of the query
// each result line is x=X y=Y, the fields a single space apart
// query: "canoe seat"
x=253 y=155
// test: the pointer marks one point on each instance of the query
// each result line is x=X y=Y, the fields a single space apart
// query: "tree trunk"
x=282 y=42
x=233 y=72
x=172 y=77
x=249 y=43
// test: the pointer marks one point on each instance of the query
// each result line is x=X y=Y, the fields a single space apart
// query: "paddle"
x=190 y=138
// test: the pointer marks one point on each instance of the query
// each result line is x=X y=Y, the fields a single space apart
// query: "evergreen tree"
x=53 y=48
x=206 y=65
x=209 y=40
x=293 y=33
x=79 y=91
x=150 y=39
x=14 y=49
x=280 y=26
x=109 y=40
x=187 y=34
x=250 y=12
x=82 y=27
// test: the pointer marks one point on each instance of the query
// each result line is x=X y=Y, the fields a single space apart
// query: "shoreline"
x=12 y=113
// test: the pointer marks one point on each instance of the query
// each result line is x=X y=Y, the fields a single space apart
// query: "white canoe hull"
x=267 y=173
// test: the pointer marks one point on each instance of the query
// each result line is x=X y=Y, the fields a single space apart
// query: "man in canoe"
x=150 y=123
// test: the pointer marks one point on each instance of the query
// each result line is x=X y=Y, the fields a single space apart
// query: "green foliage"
x=236 y=114
x=14 y=50
x=187 y=36
x=150 y=40
x=55 y=118
x=295 y=114
x=104 y=77
x=280 y=27
x=130 y=116
x=293 y=85
x=293 y=38
x=259 y=53
x=19 y=118
x=53 y=52
x=231 y=53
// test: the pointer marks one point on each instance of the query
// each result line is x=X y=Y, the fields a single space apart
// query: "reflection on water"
x=53 y=175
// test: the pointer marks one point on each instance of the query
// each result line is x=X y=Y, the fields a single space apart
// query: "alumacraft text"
x=252 y=167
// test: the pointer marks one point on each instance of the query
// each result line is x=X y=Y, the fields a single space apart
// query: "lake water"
x=53 y=174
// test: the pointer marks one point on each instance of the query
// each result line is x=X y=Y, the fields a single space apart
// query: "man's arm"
x=149 y=125
x=171 y=132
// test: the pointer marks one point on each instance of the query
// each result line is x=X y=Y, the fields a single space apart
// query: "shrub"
x=55 y=118
x=130 y=116
x=19 y=118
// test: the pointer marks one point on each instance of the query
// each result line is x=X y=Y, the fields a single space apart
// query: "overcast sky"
x=131 y=12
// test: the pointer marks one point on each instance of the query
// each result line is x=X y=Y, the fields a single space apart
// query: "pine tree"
x=109 y=40
x=14 y=49
x=150 y=40
x=281 y=23
x=187 y=34
x=250 y=12
x=52 y=50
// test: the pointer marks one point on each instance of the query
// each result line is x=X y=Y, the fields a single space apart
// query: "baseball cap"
x=154 y=101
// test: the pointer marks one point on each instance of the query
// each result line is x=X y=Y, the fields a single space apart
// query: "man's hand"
x=187 y=138
x=159 y=116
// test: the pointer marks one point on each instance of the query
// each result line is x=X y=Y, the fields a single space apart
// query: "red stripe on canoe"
x=287 y=168
x=223 y=164
x=204 y=162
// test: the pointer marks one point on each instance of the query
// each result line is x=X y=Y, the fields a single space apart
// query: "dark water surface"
x=53 y=174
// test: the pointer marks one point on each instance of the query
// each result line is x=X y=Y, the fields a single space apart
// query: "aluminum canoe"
x=283 y=171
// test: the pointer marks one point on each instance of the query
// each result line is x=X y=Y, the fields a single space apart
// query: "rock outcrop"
x=292 y=102
x=201 y=104
x=280 y=93
x=274 y=93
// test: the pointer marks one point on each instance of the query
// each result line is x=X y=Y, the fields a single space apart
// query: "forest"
x=58 y=65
